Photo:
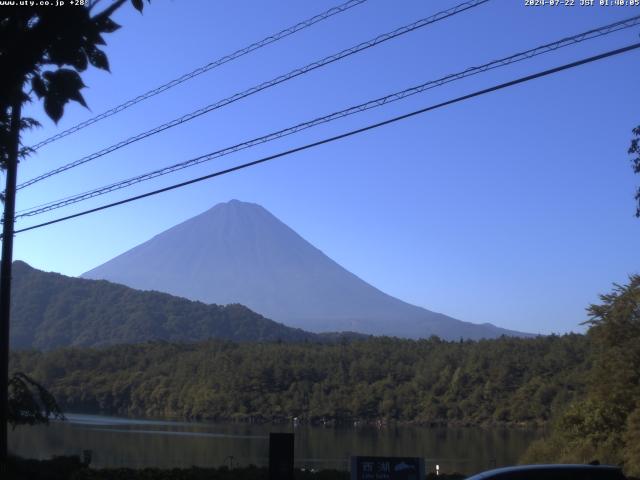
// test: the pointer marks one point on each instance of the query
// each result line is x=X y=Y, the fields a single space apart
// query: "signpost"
x=387 y=468
x=281 y=456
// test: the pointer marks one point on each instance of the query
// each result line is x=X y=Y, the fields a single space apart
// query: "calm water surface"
x=123 y=442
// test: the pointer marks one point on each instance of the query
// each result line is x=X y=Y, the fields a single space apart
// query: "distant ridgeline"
x=488 y=382
x=51 y=310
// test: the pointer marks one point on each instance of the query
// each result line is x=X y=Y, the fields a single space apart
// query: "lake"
x=123 y=442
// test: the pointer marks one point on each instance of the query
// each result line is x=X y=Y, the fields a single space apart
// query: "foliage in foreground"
x=605 y=423
x=43 y=51
x=634 y=149
x=503 y=381
x=30 y=403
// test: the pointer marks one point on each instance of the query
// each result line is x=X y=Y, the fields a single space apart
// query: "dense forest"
x=585 y=387
x=503 y=381
x=51 y=310
x=604 y=422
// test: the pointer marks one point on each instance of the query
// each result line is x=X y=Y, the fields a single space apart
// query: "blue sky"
x=515 y=208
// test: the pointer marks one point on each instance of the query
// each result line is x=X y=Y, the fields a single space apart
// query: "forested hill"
x=502 y=381
x=51 y=310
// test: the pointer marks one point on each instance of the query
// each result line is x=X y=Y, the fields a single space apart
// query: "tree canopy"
x=43 y=51
x=52 y=310
x=634 y=149
x=507 y=381
x=605 y=423
x=30 y=403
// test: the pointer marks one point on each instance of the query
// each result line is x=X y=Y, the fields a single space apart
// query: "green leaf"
x=27 y=123
x=63 y=85
x=54 y=108
x=30 y=403
x=107 y=25
x=79 y=61
x=94 y=38
x=64 y=81
x=38 y=86
x=99 y=59
x=77 y=97
x=138 y=5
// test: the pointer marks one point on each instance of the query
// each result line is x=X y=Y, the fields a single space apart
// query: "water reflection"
x=121 y=442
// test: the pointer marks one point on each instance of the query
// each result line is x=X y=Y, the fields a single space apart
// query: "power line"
x=564 y=42
x=276 y=81
x=344 y=135
x=203 y=69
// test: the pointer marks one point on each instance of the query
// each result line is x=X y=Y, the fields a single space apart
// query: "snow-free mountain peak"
x=238 y=252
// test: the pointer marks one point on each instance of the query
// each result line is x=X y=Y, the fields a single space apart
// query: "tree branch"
x=107 y=12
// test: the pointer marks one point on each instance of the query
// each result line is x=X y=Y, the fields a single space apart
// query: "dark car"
x=552 y=472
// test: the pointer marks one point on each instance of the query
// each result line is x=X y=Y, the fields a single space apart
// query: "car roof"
x=558 y=468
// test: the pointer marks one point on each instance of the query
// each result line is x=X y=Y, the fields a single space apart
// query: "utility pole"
x=5 y=271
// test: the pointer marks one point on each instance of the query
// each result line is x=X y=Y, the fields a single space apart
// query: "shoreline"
x=72 y=467
x=316 y=423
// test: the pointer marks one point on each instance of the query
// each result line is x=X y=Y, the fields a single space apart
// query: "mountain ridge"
x=238 y=252
x=51 y=310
